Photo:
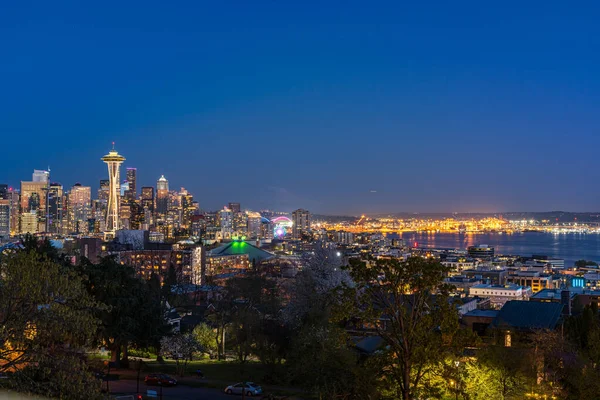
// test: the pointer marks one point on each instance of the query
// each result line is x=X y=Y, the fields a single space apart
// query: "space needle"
x=114 y=160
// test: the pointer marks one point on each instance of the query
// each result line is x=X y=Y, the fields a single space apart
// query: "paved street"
x=181 y=392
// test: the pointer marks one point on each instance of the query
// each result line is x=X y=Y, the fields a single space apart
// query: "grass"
x=229 y=371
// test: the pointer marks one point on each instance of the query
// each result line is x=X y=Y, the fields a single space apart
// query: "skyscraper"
x=301 y=222
x=162 y=195
x=33 y=199
x=113 y=160
x=55 y=209
x=131 y=193
x=104 y=190
x=234 y=207
x=3 y=191
x=80 y=205
x=4 y=219
x=13 y=198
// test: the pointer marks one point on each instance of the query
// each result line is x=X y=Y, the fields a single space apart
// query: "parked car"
x=160 y=379
x=248 y=388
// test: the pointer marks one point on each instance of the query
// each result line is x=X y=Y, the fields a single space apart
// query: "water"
x=568 y=246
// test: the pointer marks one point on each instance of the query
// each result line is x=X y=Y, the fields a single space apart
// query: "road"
x=181 y=392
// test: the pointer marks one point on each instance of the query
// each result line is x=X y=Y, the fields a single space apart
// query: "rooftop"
x=529 y=315
x=240 y=248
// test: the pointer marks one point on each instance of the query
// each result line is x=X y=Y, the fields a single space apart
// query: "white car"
x=248 y=388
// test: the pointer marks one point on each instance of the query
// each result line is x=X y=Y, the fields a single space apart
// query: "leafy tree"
x=507 y=371
x=205 y=336
x=134 y=313
x=407 y=305
x=181 y=347
x=45 y=319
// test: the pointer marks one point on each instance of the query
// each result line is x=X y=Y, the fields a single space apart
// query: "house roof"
x=240 y=248
x=529 y=315
x=370 y=344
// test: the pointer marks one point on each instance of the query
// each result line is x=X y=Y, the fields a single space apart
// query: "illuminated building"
x=4 y=217
x=482 y=251
x=79 y=208
x=148 y=198
x=188 y=208
x=14 y=201
x=162 y=196
x=234 y=256
x=533 y=279
x=55 y=207
x=33 y=199
x=240 y=223
x=29 y=222
x=500 y=294
x=104 y=190
x=113 y=160
x=187 y=262
x=3 y=191
x=40 y=176
x=254 y=224
x=234 y=207
x=131 y=192
x=226 y=222
x=301 y=223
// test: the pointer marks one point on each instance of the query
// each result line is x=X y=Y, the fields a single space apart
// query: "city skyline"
x=347 y=110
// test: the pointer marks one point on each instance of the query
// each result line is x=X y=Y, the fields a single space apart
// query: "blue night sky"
x=435 y=106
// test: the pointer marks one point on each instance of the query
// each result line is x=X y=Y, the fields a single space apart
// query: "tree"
x=134 y=313
x=205 y=336
x=46 y=319
x=181 y=347
x=407 y=305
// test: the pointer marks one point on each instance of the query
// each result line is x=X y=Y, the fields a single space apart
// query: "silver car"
x=248 y=388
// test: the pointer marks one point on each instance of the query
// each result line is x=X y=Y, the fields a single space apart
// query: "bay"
x=568 y=246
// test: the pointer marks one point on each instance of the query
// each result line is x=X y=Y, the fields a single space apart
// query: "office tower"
x=4 y=218
x=33 y=199
x=234 y=207
x=188 y=208
x=254 y=224
x=29 y=222
x=40 y=176
x=80 y=207
x=55 y=209
x=131 y=193
x=3 y=191
x=14 y=204
x=226 y=221
x=162 y=195
x=113 y=160
x=104 y=190
x=148 y=198
x=301 y=223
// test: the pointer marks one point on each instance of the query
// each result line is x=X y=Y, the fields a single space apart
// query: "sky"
x=339 y=107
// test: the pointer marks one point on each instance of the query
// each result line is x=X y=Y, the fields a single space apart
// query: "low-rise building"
x=534 y=279
x=500 y=294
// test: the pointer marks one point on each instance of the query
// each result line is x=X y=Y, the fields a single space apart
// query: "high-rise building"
x=80 y=207
x=29 y=222
x=254 y=224
x=14 y=202
x=162 y=196
x=226 y=221
x=33 y=198
x=301 y=223
x=104 y=190
x=3 y=191
x=113 y=160
x=40 y=176
x=131 y=193
x=188 y=208
x=55 y=209
x=4 y=219
x=234 y=207
x=147 y=204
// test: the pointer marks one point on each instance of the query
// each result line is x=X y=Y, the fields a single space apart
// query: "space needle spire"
x=113 y=160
